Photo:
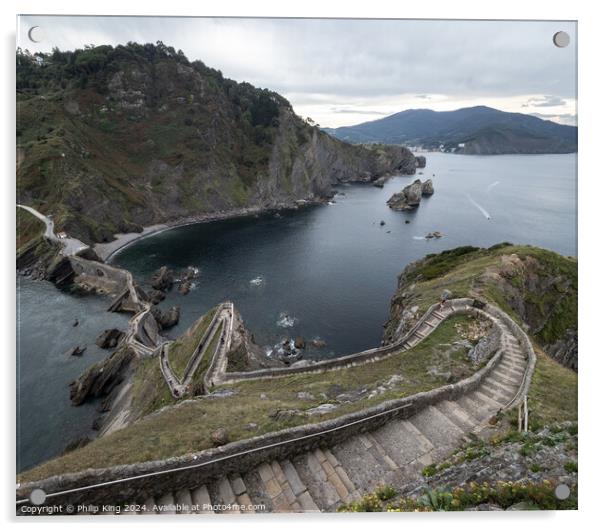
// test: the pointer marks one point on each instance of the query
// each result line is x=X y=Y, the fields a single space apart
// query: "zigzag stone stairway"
x=394 y=454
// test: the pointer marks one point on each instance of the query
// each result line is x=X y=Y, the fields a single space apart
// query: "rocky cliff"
x=536 y=286
x=113 y=139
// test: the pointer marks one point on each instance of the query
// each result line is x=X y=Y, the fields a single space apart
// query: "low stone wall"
x=351 y=360
x=525 y=345
x=102 y=276
x=129 y=483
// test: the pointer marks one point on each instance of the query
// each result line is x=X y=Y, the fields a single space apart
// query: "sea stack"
x=408 y=199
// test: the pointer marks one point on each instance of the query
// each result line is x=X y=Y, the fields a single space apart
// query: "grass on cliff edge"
x=461 y=271
x=182 y=349
x=186 y=427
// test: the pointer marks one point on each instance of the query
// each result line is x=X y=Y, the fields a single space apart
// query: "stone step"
x=492 y=405
x=475 y=408
x=502 y=379
x=200 y=498
x=499 y=386
x=279 y=500
x=342 y=473
x=184 y=499
x=243 y=500
x=332 y=476
x=506 y=377
x=224 y=495
x=458 y=415
x=149 y=505
x=438 y=429
x=508 y=365
x=165 y=503
x=312 y=473
x=402 y=441
x=362 y=463
x=499 y=396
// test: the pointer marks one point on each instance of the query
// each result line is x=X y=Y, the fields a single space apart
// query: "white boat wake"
x=257 y=281
x=483 y=211
x=492 y=185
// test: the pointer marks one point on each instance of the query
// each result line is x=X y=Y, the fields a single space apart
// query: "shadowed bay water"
x=331 y=270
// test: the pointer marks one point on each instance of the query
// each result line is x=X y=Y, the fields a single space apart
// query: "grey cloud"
x=564 y=118
x=545 y=101
x=337 y=110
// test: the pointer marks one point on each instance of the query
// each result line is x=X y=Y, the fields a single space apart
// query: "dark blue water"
x=46 y=421
x=332 y=269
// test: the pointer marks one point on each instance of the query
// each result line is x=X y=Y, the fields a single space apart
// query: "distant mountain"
x=473 y=130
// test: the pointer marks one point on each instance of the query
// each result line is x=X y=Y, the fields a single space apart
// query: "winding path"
x=395 y=454
x=69 y=246
x=298 y=472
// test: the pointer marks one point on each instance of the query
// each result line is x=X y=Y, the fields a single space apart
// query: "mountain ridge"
x=112 y=139
x=469 y=130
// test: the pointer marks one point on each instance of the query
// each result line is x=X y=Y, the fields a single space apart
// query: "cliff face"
x=537 y=287
x=112 y=139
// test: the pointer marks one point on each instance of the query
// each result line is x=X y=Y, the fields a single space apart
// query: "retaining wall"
x=135 y=482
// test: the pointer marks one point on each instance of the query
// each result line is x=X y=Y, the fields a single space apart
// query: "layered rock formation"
x=538 y=286
x=409 y=198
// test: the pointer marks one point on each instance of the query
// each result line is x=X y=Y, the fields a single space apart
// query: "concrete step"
x=224 y=495
x=243 y=499
x=149 y=504
x=492 y=405
x=184 y=499
x=402 y=441
x=272 y=490
x=510 y=379
x=362 y=462
x=342 y=474
x=458 y=415
x=498 y=396
x=200 y=498
x=474 y=407
x=498 y=386
x=312 y=473
x=438 y=428
x=503 y=380
x=332 y=475
x=165 y=503
x=304 y=499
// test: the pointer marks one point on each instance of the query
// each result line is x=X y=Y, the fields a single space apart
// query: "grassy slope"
x=181 y=349
x=553 y=394
x=187 y=428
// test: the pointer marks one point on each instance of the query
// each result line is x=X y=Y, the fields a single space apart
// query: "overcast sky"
x=343 y=72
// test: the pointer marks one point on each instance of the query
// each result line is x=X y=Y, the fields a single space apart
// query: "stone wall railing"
x=128 y=483
x=351 y=360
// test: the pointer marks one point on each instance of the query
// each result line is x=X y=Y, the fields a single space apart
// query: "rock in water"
x=299 y=343
x=162 y=279
x=75 y=351
x=185 y=287
x=380 y=182
x=408 y=199
x=156 y=296
x=420 y=161
x=166 y=319
x=427 y=187
x=109 y=338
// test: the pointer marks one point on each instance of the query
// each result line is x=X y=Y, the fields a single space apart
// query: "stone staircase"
x=395 y=454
